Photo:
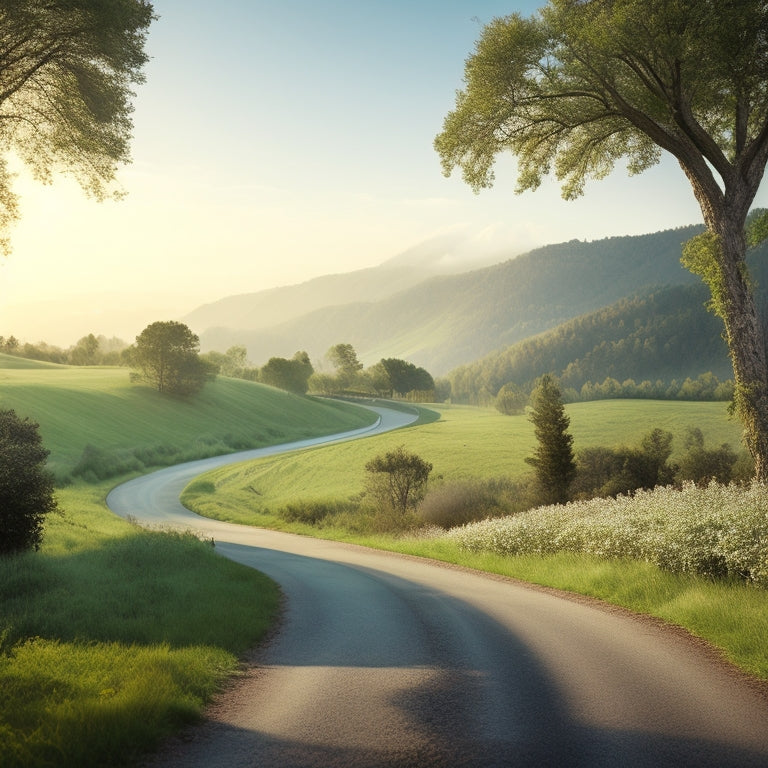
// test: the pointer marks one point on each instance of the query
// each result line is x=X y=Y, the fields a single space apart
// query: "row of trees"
x=512 y=399
x=89 y=350
x=390 y=377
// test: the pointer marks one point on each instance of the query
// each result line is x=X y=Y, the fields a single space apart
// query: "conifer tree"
x=553 y=458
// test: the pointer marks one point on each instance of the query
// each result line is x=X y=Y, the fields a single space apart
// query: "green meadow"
x=465 y=442
x=112 y=636
x=98 y=425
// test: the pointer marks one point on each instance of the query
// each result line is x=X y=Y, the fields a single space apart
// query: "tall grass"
x=112 y=636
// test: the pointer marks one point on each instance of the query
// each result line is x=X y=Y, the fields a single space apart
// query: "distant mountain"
x=446 y=321
x=661 y=335
x=262 y=310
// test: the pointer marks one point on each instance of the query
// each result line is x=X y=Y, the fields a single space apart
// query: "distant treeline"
x=89 y=350
x=662 y=346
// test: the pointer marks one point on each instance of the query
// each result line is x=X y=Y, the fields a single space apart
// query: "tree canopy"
x=343 y=357
x=404 y=377
x=66 y=72
x=397 y=479
x=292 y=375
x=583 y=84
x=165 y=356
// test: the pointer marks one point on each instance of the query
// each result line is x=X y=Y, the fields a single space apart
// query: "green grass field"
x=111 y=636
x=129 y=428
x=466 y=442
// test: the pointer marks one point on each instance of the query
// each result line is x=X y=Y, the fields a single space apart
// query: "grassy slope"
x=77 y=407
x=111 y=636
x=465 y=442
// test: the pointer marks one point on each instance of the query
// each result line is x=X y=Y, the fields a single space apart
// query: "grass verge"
x=111 y=636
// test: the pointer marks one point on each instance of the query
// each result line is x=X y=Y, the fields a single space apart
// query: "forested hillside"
x=663 y=335
x=447 y=321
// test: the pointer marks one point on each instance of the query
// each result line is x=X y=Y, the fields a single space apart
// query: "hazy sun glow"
x=275 y=142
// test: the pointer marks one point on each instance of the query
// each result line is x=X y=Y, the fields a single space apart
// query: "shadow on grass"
x=106 y=650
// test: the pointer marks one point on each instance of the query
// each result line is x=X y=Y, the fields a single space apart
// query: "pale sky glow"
x=275 y=142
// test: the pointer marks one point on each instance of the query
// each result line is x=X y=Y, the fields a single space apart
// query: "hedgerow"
x=718 y=530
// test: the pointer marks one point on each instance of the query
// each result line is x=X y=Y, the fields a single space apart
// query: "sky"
x=279 y=141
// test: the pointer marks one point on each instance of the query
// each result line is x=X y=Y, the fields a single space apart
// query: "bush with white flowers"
x=717 y=531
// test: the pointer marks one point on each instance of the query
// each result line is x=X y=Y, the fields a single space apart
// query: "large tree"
x=585 y=83
x=165 y=356
x=344 y=359
x=66 y=72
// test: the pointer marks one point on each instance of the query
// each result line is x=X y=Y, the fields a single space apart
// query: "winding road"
x=385 y=660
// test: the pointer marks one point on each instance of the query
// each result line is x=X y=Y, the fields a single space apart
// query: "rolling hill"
x=448 y=320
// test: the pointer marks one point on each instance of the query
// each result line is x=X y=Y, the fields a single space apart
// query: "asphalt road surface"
x=383 y=660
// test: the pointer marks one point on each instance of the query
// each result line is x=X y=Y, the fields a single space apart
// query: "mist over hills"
x=450 y=253
x=441 y=321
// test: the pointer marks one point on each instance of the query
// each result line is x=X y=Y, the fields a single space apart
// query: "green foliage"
x=552 y=458
x=112 y=637
x=397 y=480
x=703 y=255
x=26 y=488
x=581 y=85
x=315 y=512
x=165 y=356
x=714 y=531
x=702 y=465
x=404 y=377
x=291 y=375
x=511 y=399
x=344 y=359
x=84 y=57
x=757 y=227
x=89 y=350
x=457 y=502
x=232 y=363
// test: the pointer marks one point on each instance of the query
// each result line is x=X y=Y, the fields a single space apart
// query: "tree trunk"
x=746 y=342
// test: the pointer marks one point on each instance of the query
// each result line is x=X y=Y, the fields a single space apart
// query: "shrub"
x=701 y=465
x=397 y=480
x=314 y=512
x=26 y=488
x=614 y=471
x=511 y=400
x=96 y=464
x=715 y=531
x=464 y=501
